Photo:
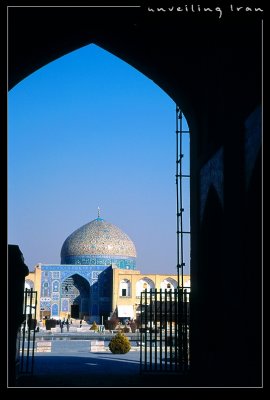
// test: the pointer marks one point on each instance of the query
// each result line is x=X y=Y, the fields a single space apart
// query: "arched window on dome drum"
x=124 y=288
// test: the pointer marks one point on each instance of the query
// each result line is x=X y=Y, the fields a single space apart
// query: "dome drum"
x=121 y=262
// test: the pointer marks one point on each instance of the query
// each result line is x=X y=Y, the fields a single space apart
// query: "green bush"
x=119 y=344
x=94 y=327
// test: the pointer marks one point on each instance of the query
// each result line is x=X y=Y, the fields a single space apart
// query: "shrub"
x=112 y=323
x=94 y=327
x=119 y=344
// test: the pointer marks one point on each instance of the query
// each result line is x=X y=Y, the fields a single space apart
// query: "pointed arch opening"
x=121 y=116
x=75 y=297
x=144 y=284
x=169 y=284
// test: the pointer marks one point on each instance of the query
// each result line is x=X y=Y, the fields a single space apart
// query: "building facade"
x=128 y=285
x=97 y=276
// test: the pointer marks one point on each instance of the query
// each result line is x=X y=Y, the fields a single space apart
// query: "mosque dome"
x=99 y=243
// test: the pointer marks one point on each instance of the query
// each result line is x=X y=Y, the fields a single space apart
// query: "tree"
x=112 y=323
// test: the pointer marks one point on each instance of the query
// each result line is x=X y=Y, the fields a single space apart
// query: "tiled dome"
x=98 y=238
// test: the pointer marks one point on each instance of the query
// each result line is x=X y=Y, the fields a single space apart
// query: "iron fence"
x=28 y=330
x=164 y=330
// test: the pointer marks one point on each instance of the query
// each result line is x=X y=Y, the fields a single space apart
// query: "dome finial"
x=98 y=212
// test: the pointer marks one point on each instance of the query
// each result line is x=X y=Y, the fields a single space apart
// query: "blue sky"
x=89 y=130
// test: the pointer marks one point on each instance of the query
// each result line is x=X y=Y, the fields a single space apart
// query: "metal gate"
x=164 y=331
x=28 y=332
x=165 y=320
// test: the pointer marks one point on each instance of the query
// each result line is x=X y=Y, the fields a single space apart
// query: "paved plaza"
x=85 y=369
x=71 y=364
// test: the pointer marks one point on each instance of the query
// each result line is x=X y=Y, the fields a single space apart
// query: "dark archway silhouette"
x=212 y=290
x=252 y=275
x=207 y=74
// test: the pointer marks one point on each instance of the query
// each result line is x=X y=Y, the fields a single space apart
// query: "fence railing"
x=27 y=340
x=164 y=331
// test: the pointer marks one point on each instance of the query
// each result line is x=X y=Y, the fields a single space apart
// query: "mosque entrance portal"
x=75 y=294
